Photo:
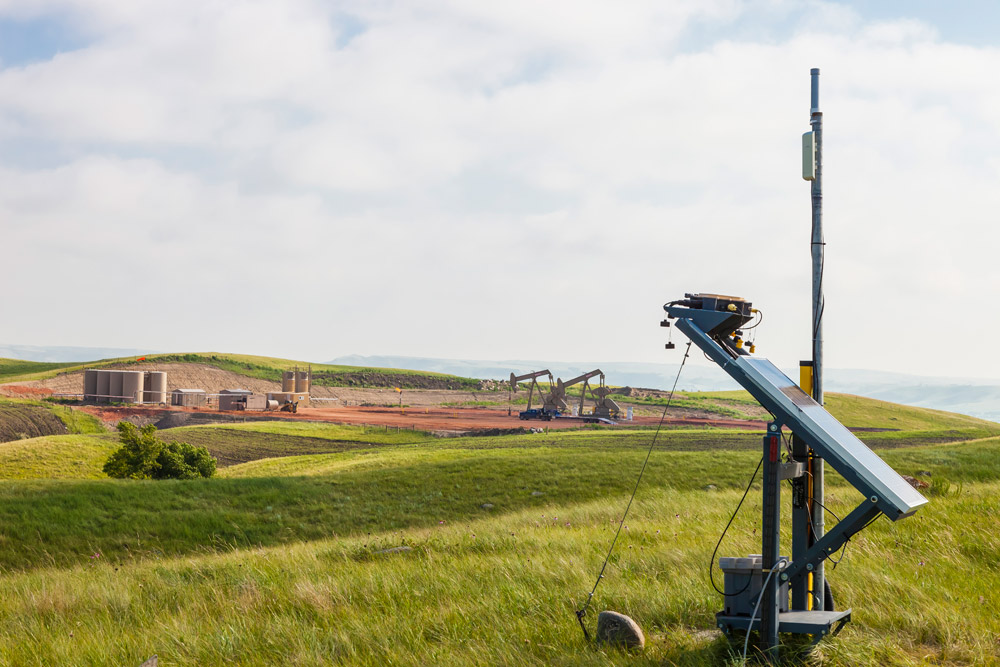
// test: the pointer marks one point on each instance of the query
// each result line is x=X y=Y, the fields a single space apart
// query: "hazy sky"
x=496 y=179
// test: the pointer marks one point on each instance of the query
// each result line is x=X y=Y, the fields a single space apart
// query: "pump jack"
x=604 y=407
x=552 y=404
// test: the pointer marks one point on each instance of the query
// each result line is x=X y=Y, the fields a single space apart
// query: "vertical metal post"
x=818 y=247
x=801 y=518
x=771 y=543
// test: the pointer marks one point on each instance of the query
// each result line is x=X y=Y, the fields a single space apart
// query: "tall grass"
x=281 y=560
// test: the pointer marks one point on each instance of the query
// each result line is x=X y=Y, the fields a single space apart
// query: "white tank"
x=132 y=386
x=157 y=387
x=103 y=386
x=115 y=389
x=89 y=384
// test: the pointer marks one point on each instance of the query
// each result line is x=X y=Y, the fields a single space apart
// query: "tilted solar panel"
x=832 y=440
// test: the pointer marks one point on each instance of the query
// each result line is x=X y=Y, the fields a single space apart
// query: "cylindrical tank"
x=116 y=386
x=301 y=382
x=103 y=386
x=272 y=405
x=147 y=389
x=132 y=386
x=288 y=381
x=89 y=384
x=157 y=387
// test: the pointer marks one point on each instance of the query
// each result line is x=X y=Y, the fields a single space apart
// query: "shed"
x=189 y=398
x=234 y=399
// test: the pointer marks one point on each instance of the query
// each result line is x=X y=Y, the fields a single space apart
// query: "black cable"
x=760 y=318
x=847 y=541
x=711 y=563
x=580 y=613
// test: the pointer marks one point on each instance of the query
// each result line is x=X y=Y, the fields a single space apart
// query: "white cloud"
x=493 y=179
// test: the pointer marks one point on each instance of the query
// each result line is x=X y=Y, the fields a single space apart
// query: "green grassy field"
x=858 y=411
x=277 y=560
x=16 y=369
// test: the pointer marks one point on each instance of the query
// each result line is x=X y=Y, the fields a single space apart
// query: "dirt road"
x=438 y=420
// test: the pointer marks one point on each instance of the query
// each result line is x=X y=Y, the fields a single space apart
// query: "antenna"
x=817 y=245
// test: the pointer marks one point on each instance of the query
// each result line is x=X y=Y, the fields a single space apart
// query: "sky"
x=491 y=180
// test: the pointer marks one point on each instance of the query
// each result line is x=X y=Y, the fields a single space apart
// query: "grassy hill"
x=265 y=368
x=17 y=369
x=860 y=412
x=280 y=559
x=21 y=419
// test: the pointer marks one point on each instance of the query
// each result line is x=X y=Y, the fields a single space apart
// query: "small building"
x=241 y=399
x=188 y=398
x=233 y=399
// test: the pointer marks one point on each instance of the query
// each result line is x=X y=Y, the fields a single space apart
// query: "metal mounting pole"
x=818 y=247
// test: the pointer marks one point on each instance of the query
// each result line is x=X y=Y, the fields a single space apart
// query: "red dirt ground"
x=423 y=419
x=21 y=391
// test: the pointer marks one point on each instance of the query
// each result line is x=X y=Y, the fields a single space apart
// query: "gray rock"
x=924 y=473
x=537 y=493
x=153 y=661
x=395 y=550
x=487 y=506
x=619 y=630
x=710 y=487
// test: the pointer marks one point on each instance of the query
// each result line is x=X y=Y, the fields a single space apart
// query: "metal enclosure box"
x=737 y=571
x=809 y=156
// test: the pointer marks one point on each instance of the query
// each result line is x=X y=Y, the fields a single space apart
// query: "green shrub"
x=144 y=456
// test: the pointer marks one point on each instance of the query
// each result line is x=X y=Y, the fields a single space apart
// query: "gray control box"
x=738 y=571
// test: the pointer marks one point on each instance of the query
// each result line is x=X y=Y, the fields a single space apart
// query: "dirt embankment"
x=18 y=422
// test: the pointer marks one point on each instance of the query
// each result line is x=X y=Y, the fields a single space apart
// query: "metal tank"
x=89 y=384
x=288 y=381
x=103 y=385
x=115 y=389
x=157 y=387
x=132 y=386
x=301 y=382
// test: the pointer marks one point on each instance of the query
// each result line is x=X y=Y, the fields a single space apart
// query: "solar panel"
x=829 y=438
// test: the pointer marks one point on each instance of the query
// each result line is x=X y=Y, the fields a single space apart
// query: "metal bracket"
x=833 y=540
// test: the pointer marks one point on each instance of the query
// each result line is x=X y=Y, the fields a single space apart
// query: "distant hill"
x=64 y=354
x=979 y=398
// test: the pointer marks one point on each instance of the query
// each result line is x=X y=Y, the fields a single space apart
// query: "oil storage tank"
x=132 y=386
x=115 y=390
x=103 y=386
x=301 y=382
x=288 y=382
x=157 y=387
x=89 y=384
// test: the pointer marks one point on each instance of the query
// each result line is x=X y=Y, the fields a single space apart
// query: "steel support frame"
x=830 y=543
x=802 y=534
x=771 y=543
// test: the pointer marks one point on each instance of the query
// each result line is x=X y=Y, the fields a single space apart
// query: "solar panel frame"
x=831 y=440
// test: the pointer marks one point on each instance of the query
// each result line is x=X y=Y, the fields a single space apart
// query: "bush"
x=144 y=456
